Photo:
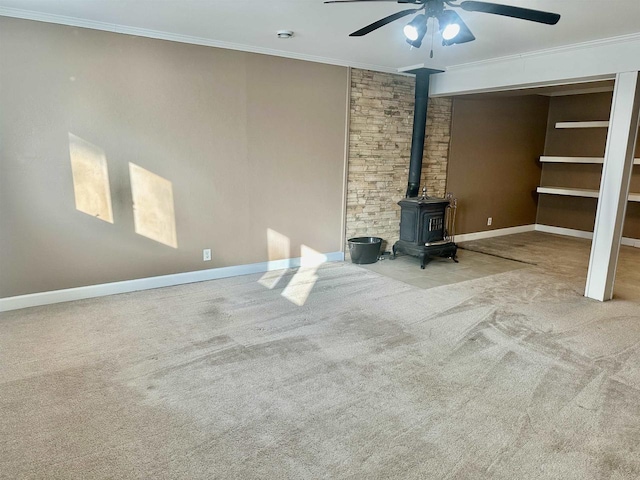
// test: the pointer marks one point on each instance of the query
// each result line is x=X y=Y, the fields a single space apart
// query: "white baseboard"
x=467 y=237
x=80 y=293
x=570 y=232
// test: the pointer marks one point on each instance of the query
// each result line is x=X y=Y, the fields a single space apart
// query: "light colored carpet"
x=563 y=257
x=510 y=376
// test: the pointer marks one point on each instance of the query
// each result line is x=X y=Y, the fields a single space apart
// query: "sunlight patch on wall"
x=278 y=248
x=90 y=179
x=300 y=286
x=279 y=245
x=153 y=212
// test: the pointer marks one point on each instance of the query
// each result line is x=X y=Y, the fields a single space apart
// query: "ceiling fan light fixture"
x=450 y=31
x=415 y=30
x=453 y=29
x=410 y=32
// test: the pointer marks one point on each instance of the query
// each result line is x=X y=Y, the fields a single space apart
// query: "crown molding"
x=175 y=37
x=632 y=37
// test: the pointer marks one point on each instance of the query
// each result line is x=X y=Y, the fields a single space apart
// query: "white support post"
x=614 y=186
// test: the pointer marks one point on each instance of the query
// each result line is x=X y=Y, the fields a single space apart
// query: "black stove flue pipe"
x=419 y=127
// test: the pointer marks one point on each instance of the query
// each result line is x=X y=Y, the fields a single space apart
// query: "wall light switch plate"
x=489 y=221
x=206 y=254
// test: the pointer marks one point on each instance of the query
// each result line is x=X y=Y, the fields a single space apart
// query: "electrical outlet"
x=206 y=254
x=489 y=221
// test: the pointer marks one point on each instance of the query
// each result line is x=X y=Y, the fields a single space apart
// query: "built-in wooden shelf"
x=595 y=160
x=598 y=124
x=580 y=192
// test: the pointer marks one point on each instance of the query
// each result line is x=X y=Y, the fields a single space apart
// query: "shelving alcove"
x=579 y=192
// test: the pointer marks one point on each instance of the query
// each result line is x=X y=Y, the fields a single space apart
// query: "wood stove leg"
x=423 y=261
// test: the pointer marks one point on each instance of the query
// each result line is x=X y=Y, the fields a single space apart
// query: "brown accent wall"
x=493 y=161
x=576 y=212
x=244 y=142
x=381 y=124
x=577 y=142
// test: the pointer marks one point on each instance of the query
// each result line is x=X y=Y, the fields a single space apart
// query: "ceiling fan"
x=451 y=26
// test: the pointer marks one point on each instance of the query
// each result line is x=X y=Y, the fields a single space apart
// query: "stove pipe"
x=419 y=126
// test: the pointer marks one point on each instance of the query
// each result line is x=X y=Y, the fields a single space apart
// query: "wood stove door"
x=432 y=227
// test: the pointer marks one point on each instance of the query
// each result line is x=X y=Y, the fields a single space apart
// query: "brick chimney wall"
x=381 y=122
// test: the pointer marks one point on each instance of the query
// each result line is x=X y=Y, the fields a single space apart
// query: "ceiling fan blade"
x=383 y=21
x=509 y=11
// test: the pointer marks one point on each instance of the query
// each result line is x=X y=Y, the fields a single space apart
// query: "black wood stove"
x=423 y=228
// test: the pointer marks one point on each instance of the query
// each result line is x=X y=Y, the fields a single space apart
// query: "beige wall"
x=576 y=212
x=493 y=162
x=244 y=142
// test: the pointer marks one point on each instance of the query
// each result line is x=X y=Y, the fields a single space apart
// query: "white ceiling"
x=321 y=31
